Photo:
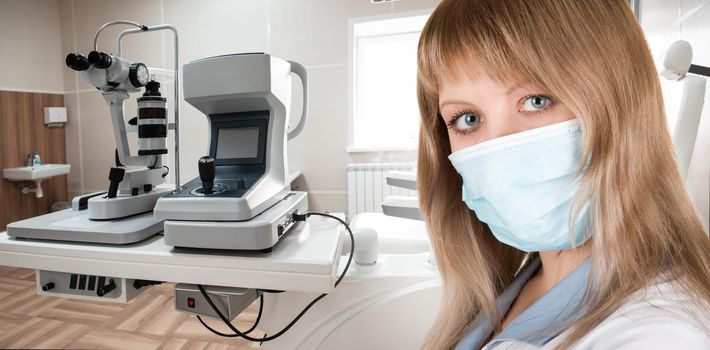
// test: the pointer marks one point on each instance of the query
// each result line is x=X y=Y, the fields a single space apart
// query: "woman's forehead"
x=475 y=72
x=474 y=76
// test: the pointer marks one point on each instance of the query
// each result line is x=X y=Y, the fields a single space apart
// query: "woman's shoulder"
x=665 y=299
x=661 y=316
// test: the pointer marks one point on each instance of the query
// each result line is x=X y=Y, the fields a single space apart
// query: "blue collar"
x=542 y=321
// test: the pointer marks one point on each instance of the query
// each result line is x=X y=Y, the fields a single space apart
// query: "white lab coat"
x=659 y=317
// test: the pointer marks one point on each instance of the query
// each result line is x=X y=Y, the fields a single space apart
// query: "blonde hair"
x=592 y=56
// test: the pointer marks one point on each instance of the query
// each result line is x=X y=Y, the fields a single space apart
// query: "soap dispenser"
x=37 y=162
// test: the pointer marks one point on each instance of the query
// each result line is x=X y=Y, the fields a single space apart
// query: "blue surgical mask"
x=523 y=186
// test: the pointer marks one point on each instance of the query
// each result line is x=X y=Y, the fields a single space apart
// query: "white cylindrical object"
x=686 y=128
x=366 y=246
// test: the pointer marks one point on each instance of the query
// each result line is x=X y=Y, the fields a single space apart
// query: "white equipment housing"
x=246 y=98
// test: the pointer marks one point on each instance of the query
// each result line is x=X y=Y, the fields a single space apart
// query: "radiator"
x=367 y=186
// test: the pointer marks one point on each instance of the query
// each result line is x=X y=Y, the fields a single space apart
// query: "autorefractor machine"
x=242 y=199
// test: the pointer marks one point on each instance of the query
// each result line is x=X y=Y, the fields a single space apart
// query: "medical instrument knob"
x=47 y=287
x=138 y=74
x=206 y=168
x=103 y=290
x=241 y=184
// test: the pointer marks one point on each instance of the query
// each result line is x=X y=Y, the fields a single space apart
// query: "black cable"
x=253 y=327
x=258 y=315
x=296 y=217
x=240 y=334
x=352 y=241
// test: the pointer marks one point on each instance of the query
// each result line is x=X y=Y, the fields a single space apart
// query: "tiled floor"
x=149 y=321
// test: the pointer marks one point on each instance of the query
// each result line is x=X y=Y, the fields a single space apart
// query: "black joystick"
x=207 y=172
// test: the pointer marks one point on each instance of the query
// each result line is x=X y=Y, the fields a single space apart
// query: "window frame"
x=352 y=79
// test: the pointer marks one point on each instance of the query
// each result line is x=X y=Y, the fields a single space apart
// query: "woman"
x=575 y=230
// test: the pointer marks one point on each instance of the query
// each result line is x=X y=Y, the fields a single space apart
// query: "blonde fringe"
x=593 y=57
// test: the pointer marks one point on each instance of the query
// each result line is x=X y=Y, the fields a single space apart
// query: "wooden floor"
x=147 y=322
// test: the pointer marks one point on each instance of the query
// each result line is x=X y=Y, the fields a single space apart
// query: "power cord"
x=238 y=333
x=253 y=327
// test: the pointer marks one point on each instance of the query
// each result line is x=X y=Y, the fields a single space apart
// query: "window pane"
x=386 y=112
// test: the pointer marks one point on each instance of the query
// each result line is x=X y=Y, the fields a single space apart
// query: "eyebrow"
x=456 y=101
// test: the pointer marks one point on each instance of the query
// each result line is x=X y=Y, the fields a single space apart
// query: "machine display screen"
x=238 y=143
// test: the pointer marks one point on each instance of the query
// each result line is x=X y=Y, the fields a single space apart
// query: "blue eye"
x=465 y=122
x=536 y=103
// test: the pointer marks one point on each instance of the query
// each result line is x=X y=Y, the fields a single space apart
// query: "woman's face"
x=480 y=109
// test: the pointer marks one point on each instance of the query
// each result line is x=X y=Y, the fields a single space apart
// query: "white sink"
x=35 y=173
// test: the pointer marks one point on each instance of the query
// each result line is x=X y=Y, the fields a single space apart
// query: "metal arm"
x=176 y=171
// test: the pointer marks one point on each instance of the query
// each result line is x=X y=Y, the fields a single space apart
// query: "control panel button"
x=241 y=184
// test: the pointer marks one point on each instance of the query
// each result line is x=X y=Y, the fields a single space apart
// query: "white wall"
x=315 y=33
x=30 y=55
x=657 y=18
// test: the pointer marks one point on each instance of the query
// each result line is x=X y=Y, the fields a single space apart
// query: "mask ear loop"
x=582 y=199
x=576 y=211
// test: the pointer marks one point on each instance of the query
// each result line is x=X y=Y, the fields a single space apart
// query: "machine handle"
x=300 y=70
x=206 y=168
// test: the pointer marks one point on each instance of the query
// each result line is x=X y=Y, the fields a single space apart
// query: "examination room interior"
x=362 y=122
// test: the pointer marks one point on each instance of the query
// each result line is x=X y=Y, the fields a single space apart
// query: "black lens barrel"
x=99 y=59
x=77 y=61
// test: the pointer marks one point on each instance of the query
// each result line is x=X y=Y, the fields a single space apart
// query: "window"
x=383 y=62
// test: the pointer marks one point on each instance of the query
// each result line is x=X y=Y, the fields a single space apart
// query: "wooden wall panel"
x=22 y=131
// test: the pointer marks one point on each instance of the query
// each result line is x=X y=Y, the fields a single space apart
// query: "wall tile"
x=207 y=28
x=328 y=202
x=414 y=5
x=66 y=19
x=212 y=27
x=315 y=32
x=194 y=136
x=319 y=151
x=90 y=15
x=30 y=45
x=73 y=145
x=97 y=140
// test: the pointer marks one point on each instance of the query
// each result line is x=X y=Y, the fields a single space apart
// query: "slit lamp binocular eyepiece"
x=79 y=62
x=117 y=69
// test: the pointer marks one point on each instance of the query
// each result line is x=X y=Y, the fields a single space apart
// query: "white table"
x=305 y=260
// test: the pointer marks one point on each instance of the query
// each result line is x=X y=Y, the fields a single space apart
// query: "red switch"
x=191 y=303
